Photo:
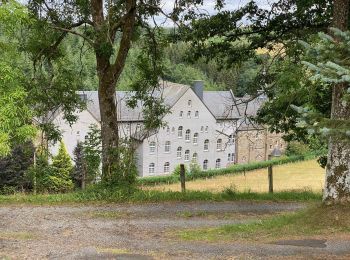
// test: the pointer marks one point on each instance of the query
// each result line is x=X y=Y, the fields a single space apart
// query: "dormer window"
x=189 y=102
x=196 y=114
x=181 y=114
x=188 y=114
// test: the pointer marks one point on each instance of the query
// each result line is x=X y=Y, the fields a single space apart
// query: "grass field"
x=294 y=176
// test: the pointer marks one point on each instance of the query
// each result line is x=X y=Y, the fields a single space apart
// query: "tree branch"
x=73 y=32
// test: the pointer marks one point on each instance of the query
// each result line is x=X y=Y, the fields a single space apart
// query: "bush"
x=177 y=170
x=296 y=148
x=52 y=178
x=13 y=168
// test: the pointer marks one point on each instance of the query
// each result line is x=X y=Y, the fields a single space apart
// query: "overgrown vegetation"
x=107 y=194
x=316 y=220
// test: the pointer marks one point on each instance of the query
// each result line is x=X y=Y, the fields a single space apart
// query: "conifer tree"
x=62 y=163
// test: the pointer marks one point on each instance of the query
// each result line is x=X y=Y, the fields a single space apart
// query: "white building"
x=200 y=128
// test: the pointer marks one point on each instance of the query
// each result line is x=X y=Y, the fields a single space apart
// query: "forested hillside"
x=177 y=68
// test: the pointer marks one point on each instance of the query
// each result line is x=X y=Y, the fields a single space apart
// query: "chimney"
x=197 y=87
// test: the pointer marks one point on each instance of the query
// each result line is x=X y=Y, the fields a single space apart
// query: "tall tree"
x=226 y=37
x=109 y=28
x=337 y=186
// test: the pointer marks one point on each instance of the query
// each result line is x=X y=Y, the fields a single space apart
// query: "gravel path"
x=142 y=232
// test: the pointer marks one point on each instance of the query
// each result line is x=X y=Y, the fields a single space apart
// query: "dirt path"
x=141 y=232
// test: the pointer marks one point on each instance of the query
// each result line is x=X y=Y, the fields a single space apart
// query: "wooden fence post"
x=270 y=174
x=182 y=178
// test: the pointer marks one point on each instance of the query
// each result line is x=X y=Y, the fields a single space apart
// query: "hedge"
x=235 y=169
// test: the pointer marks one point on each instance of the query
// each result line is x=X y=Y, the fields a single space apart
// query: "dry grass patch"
x=306 y=175
x=17 y=236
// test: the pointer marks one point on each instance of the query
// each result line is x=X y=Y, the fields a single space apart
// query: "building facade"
x=201 y=127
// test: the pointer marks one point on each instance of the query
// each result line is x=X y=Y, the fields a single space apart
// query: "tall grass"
x=102 y=194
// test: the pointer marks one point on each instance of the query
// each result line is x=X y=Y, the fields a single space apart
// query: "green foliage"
x=327 y=62
x=124 y=173
x=120 y=194
x=195 y=169
x=15 y=113
x=177 y=171
x=79 y=172
x=62 y=162
x=55 y=177
x=296 y=148
x=91 y=153
x=13 y=169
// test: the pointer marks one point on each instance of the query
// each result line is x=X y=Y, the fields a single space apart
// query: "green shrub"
x=296 y=148
x=177 y=170
x=52 y=178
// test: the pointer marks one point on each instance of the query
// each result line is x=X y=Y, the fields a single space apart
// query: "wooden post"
x=270 y=174
x=182 y=177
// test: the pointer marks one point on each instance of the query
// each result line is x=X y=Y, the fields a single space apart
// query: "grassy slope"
x=293 y=176
x=314 y=221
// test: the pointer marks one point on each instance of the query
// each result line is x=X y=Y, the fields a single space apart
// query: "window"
x=187 y=135
x=281 y=145
x=206 y=145
x=206 y=129
x=181 y=114
x=179 y=132
x=196 y=114
x=138 y=127
x=166 y=167
x=219 y=145
x=202 y=129
x=187 y=155
x=189 y=102
x=195 y=138
x=168 y=130
x=218 y=163
x=194 y=157
x=151 y=168
x=270 y=146
x=167 y=147
x=188 y=114
x=179 y=152
x=173 y=130
x=152 y=147
x=229 y=157
x=205 y=164
x=78 y=133
x=230 y=139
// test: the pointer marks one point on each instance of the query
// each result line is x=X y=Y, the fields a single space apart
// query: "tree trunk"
x=108 y=75
x=109 y=126
x=337 y=184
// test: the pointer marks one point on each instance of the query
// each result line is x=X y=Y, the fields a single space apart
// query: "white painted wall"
x=72 y=134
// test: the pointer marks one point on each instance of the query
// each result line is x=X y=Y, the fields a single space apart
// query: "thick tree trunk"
x=337 y=184
x=109 y=126
x=108 y=74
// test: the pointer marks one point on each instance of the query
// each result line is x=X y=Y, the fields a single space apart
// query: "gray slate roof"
x=220 y=103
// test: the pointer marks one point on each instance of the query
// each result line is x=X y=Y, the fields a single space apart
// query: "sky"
x=209 y=5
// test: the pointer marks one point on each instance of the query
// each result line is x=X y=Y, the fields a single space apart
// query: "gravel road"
x=144 y=231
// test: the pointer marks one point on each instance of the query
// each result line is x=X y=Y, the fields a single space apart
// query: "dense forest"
x=178 y=68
